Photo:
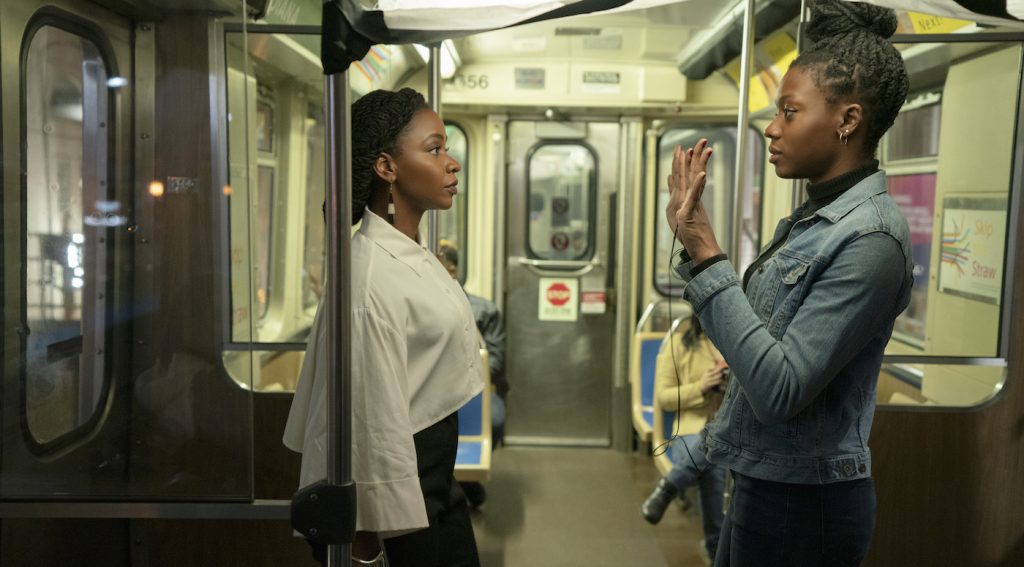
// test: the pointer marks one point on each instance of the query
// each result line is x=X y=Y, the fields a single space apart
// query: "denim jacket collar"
x=872 y=185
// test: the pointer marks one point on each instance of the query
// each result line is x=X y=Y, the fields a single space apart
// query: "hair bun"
x=832 y=18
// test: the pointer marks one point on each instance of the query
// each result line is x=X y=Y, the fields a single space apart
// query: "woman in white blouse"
x=414 y=348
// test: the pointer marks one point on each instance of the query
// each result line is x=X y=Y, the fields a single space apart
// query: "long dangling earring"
x=844 y=136
x=391 y=204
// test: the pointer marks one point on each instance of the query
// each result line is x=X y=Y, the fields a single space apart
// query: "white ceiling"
x=654 y=33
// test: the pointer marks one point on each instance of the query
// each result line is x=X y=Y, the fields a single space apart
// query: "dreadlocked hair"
x=379 y=119
x=851 y=61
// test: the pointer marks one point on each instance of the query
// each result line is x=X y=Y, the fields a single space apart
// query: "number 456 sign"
x=471 y=81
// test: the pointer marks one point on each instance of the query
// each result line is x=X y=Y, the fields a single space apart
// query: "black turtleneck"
x=822 y=194
x=819 y=195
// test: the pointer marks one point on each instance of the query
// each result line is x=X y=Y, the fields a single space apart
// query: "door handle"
x=564 y=267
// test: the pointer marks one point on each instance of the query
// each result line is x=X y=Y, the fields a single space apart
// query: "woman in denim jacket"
x=805 y=330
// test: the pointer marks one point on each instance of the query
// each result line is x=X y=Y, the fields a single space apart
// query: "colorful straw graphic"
x=374 y=65
x=954 y=251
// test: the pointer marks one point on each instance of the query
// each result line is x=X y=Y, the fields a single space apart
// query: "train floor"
x=567 y=507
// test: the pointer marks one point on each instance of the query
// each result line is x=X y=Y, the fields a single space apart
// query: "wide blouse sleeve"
x=389 y=497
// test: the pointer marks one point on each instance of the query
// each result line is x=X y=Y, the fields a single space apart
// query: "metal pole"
x=339 y=297
x=434 y=98
x=498 y=128
x=742 y=132
x=800 y=185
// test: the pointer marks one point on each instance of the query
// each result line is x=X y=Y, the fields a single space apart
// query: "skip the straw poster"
x=973 y=241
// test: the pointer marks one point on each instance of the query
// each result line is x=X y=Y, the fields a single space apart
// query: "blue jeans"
x=497 y=420
x=776 y=524
x=711 y=483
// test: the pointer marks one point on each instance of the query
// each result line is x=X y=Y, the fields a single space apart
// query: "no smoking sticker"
x=559 y=241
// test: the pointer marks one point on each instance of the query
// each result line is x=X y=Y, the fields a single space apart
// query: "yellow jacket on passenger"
x=677 y=385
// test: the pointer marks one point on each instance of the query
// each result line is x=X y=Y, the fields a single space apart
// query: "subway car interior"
x=165 y=250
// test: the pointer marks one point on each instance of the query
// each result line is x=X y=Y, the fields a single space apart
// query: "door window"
x=561 y=201
x=68 y=212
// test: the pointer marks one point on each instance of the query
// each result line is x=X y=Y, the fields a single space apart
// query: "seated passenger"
x=488 y=322
x=689 y=380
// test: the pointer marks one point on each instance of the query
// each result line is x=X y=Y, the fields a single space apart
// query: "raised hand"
x=686 y=215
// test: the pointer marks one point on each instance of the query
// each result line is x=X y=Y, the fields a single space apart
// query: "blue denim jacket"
x=805 y=343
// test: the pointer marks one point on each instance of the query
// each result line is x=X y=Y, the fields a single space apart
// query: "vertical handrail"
x=499 y=130
x=742 y=171
x=799 y=185
x=339 y=292
x=627 y=192
x=434 y=99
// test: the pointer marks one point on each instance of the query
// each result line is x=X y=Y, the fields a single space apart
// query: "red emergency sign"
x=558 y=294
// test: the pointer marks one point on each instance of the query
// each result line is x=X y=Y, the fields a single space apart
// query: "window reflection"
x=276 y=179
x=314 y=263
x=67 y=210
x=264 y=240
x=452 y=223
x=915 y=195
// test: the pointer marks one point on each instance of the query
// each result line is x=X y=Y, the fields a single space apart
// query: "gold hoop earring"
x=844 y=137
x=391 y=203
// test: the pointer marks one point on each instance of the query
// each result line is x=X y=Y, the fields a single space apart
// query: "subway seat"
x=642 y=362
x=473 y=459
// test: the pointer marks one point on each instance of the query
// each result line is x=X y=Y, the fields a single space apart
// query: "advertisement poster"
x=973 y=241
x=915 y=195
x=558 y=299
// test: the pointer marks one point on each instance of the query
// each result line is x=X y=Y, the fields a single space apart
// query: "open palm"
x=686 y=215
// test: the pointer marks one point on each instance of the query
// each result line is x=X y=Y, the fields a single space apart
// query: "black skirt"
x=449 y=540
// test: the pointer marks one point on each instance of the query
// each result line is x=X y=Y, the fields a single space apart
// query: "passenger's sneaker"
x=475 y=493
x=654 y=507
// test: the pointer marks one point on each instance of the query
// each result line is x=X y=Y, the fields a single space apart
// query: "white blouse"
x=414 y=362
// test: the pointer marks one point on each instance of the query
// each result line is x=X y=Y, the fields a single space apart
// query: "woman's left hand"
x=685 y=213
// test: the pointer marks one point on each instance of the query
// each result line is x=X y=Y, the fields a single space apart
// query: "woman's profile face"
x=804 y=141
x=426 y=173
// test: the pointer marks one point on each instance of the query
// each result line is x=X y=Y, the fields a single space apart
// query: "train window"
x=718 y=196
x=275 y=140
x=262 y=236
x=953 y=185
x=915 y=194
x=314 y=265
x=915 y=134
x=452 y=224
x=561 y=198
x=67 y=204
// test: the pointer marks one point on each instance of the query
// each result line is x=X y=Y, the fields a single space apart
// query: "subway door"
x=559 y=312
x=66 y=205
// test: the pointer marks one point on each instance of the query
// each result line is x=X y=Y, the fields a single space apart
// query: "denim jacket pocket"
x=792 y=272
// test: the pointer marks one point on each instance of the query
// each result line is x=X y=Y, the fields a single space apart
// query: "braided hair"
x=379 y=119
x=851 y=60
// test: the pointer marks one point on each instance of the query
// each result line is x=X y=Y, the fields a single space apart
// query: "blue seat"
x=473 y=458
x=663 y=419
x=642 y=363
x=663 y=422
